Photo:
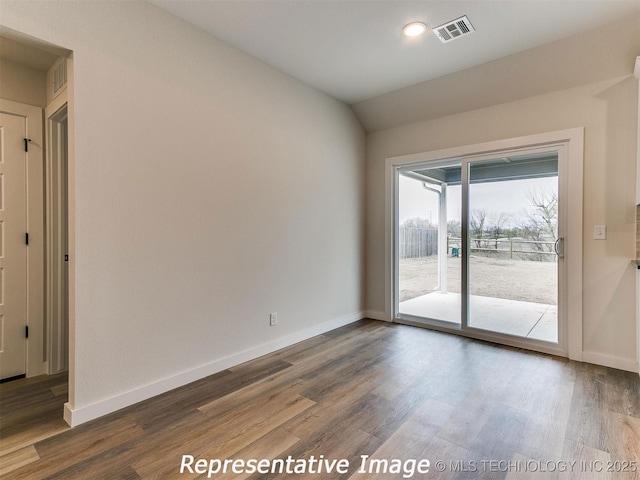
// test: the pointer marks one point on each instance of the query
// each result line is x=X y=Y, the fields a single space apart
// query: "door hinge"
x=26 y=331
x=66 y=257
x=26 y=238
x=26 y=144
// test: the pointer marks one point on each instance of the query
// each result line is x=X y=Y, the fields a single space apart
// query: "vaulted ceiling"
x=354 y=49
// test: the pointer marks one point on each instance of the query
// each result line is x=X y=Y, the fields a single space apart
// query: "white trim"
x=58 y=337
x=35 y=223
x=75 y=417
x=574 y=212
x=390 y=200
x=635 y=266
x=611 y=361
x=636 y=73
x=71 y=202
x=56 y=104
x=574 y=140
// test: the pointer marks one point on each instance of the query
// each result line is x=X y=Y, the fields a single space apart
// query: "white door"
x=13 y=248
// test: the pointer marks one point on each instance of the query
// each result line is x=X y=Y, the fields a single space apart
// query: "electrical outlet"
x=273 y=319
x=599 y=232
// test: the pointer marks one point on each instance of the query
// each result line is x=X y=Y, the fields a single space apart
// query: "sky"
x=497 y=197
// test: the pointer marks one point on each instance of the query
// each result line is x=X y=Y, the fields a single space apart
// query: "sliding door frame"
x=569 y=145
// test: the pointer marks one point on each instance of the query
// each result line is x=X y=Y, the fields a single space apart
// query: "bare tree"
x=547 y=211
x=544 y=214
x=477 y=221
x=454 y=228
x=496 y=227
x=417 y=222
x=540 y=222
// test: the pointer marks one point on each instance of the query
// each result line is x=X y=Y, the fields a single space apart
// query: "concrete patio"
x=524 y=319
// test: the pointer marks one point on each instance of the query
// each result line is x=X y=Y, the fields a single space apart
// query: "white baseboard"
x=375 y=315
x=81 y=415
x=612 y=361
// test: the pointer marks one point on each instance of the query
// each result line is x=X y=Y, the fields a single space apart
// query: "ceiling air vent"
x=59 y=75
x=455 y=29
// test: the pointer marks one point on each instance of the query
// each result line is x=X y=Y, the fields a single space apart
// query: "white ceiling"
x=354 y=49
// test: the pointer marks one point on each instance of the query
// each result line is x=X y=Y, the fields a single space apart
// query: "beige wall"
x=22 y=84
x=210 y=190
x=608 y=112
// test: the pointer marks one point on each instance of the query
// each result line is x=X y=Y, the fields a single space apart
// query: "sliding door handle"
x=559 y=247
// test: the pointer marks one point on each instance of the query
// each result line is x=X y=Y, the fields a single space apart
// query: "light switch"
x=600 y=232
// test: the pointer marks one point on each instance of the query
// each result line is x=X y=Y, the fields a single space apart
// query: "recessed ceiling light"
x=414 y=29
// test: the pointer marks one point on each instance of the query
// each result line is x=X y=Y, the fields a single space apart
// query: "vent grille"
x=59 y=76
x=455 y=29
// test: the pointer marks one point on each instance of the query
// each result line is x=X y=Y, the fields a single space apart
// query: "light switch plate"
x=599 y=232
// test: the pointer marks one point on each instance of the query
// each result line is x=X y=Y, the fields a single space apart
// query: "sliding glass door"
x=429 y=243
x=512 y=232
x=479 y=243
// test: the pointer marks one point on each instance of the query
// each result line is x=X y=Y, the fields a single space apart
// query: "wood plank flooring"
x=382 y=390
x=30 y=411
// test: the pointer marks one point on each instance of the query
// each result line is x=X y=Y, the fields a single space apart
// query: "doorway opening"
x=512 y=237
x=429 y=243
x=57 y=291
x=33 y=408
x=479 y=241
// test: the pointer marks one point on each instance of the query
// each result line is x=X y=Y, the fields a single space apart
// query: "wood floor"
x=372 y=388
x=30 y=411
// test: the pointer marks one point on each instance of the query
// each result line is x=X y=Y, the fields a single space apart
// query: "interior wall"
x=210 y=190
x=607 y=110
x=22 y=84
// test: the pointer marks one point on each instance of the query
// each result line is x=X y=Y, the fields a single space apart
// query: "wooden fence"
x=423 y=242
x=509 y=246
x=417 y=242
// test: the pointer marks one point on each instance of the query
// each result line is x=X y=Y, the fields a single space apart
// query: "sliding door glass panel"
x=512 y=229
x=429 y=243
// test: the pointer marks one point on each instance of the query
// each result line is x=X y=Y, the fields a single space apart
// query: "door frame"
x=36 y=361
x=56 y=227
x=573 y=142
